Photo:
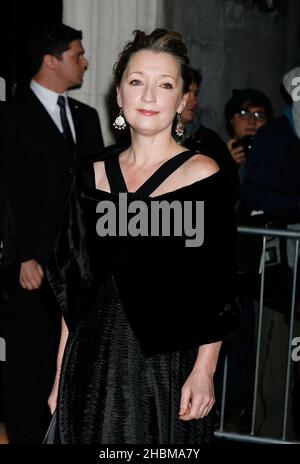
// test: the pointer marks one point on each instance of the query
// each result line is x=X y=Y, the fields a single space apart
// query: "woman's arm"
x=52 y=400
x=197 y=393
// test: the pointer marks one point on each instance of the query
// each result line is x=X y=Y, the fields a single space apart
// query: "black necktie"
x=61 y=101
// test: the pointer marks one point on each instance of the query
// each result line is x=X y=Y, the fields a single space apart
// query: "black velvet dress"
x=132 y=305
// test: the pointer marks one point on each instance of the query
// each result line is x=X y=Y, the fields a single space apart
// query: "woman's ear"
x=119 y=99
x=183 y=103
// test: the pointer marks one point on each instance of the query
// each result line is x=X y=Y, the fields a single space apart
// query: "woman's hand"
x=197 y=395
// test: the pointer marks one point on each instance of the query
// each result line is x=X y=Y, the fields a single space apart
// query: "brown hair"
x=160 y=41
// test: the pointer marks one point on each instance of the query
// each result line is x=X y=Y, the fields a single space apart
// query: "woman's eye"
x=167 y=85
x=135 y=82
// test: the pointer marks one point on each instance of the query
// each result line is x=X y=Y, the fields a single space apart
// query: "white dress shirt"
x=48 y=98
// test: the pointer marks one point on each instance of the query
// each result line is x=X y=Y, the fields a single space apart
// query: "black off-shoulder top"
x=175 y=296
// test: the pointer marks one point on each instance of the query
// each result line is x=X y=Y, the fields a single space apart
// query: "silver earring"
x=120 y=122
x=179 y=129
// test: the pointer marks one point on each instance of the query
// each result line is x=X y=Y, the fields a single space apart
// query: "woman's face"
x=151 y=92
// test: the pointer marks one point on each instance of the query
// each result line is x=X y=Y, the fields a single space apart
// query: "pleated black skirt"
x=110 y=393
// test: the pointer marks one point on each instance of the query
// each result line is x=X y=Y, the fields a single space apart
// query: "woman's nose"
x=148 y=94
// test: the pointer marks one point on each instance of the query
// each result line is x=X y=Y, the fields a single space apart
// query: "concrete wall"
x=236 y=47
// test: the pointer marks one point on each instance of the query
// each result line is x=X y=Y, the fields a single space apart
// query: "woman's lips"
x=147 y=112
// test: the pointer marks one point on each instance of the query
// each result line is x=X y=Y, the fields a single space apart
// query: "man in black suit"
x=46 y=136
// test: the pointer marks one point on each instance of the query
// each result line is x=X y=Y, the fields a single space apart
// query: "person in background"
x=271 y=187
x=246 y=111
x=271 y=181
x=190 y=114
x=143 y=341
x=200 y=138
x=46 y=136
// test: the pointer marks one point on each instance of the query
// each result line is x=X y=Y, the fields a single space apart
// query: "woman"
x=143 y=346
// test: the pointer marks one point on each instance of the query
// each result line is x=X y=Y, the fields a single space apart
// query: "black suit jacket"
x=39 y=168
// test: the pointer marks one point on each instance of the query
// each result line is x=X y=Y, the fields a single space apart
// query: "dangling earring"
x=179 y=129
x=120 y=122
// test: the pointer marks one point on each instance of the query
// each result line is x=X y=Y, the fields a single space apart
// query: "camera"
x=246 y=142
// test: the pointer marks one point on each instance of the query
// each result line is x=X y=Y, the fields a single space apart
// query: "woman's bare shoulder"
x=200 y=166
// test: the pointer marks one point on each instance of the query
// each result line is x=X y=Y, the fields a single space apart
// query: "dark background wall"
x=236 y=47
x=17 y=19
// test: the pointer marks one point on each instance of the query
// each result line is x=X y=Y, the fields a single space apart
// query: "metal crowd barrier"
x=252 y=437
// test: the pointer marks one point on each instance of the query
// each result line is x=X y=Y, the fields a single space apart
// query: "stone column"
x=106 y=27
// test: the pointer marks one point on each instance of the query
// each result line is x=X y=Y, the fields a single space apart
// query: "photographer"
x=245 y=112
x=271 y=184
